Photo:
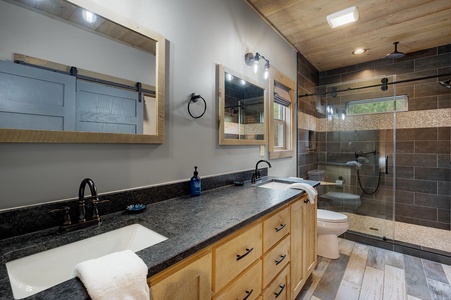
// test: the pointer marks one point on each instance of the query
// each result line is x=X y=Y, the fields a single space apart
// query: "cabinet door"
x=190 y=282
x=297 y=246
x=310 y=238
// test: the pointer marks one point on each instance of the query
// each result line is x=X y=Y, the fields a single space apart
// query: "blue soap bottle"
x=195 y=184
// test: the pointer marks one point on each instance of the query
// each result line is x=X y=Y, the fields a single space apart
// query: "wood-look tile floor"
x=365 y=272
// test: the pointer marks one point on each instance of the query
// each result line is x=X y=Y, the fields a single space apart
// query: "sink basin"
x=32 y=274
x=283 y=183
x=275 y=185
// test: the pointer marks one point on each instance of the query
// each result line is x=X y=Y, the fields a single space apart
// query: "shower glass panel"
x=355 y=141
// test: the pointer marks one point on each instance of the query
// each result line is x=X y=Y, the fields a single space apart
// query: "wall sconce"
x=343 y=17
x=253 y=60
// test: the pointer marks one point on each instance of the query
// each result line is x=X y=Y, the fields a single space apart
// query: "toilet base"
x=328 y=246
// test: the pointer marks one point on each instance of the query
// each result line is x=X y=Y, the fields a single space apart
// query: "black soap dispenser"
x=195 y=184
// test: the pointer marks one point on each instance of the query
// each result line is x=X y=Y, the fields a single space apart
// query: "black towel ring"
x=194 y=98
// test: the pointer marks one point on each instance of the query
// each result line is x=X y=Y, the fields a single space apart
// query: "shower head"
x=446 y=83
x=396 y=53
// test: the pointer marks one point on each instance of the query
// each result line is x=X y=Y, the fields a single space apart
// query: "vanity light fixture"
x=253 y=61
x=89 y=16
x=343 y=17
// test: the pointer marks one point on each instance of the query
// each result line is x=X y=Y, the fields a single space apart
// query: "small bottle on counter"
x=195 y=183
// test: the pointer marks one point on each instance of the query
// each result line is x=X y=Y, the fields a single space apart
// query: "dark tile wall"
x=423 y=176
x=308 y=80
x=423 y=179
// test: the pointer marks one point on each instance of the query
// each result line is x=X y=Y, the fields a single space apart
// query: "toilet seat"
x=331 y=216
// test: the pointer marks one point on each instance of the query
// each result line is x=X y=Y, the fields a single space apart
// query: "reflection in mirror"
x=74 y=81
x=242 y=111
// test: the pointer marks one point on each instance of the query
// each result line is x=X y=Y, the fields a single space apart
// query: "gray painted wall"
x=201 y=34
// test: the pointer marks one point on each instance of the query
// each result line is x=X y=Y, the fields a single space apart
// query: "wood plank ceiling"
x=416 y=24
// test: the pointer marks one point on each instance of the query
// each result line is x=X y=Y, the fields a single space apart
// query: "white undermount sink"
x=32 y=274
x=275 y=185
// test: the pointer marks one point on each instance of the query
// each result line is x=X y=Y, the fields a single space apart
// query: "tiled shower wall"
x=422 y=134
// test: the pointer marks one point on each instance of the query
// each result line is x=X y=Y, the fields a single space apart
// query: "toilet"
x=330 y=225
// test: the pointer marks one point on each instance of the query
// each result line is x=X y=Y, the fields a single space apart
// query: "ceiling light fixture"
x=253 y=61
x=89 y=16
x=359 y=51
x=343 y=17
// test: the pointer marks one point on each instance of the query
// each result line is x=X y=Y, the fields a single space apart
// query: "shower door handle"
x=386 y=164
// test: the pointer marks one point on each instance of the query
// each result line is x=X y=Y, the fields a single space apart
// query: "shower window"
x=377 y=105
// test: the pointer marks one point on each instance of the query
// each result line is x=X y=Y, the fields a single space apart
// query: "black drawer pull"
x=238 y=257
x=306 y=201
x=282 y=287
x=282 y=226
x=248 y=294
x=279 y=261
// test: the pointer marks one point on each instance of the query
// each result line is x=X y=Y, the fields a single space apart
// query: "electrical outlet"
x=262 y=150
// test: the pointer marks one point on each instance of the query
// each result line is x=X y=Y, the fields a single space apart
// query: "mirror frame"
x=48 y=136
x=221 y=102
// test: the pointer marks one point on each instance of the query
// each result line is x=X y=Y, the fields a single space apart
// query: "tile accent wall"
x=423 y=142
x=308 y=80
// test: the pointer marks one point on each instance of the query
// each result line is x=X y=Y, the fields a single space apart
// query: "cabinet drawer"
x=275 y=260
x=247 y=285
x=236 y=255
x=279 y=288
x=275 y=228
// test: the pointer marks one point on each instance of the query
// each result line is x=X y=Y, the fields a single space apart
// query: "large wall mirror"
x=242 y=113
x=75 y=72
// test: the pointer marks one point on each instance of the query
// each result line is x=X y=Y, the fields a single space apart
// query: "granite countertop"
x=190 y=223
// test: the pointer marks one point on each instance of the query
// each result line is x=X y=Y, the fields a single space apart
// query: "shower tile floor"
x=409 y=233
x=369 y=273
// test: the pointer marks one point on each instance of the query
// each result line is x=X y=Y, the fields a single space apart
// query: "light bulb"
x=255 y=66
x=266 y=75
x=229 y=77
x=243 y=82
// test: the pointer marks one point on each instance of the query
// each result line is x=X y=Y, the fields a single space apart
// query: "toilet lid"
x=331 y=216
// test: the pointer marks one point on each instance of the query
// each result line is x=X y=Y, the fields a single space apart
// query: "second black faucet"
x=256 y=175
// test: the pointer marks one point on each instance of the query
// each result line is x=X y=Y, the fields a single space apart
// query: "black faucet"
x=256 y=174
x=82 y=221
x=81 y=201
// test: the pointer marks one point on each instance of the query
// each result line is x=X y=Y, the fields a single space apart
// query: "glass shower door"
x=356 y=139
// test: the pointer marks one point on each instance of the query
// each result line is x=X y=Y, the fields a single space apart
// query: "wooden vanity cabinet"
x=268 y=259
x=189 y=280
x=303 y=243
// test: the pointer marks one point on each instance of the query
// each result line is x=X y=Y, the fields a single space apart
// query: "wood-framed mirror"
x=242 y=109
x=136 y=65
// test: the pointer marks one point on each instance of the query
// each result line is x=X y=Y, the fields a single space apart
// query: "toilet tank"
x=317 y=175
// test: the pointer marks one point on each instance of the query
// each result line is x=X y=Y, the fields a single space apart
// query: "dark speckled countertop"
x=190 y=223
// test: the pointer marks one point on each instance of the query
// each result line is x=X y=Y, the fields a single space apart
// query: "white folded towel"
x=119 y=275
x=310 y=190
